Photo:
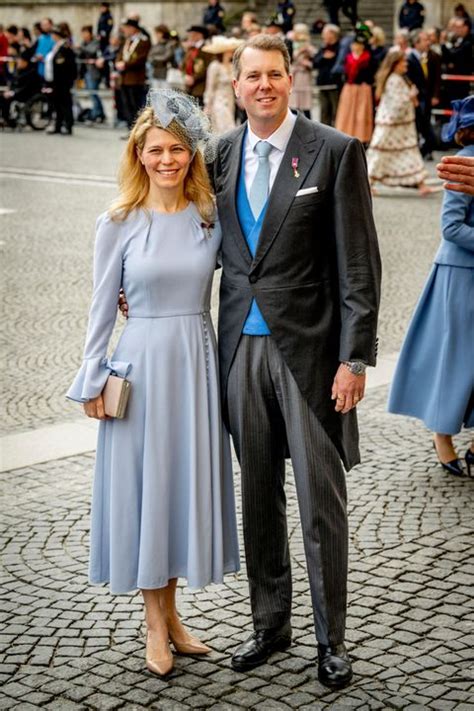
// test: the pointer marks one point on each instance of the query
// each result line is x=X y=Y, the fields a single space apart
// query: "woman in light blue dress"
x=163 y=501
x=434 y=378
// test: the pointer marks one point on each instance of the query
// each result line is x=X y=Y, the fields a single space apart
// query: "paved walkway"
x=67 y=645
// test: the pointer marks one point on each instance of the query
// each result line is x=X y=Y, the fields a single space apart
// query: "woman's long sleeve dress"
x=163 y=500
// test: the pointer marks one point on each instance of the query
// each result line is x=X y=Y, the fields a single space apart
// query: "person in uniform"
x=214 y=15
x=412 y=15
x=104 y=30
x=285 y=15
x=60 y=72
x=104 y=26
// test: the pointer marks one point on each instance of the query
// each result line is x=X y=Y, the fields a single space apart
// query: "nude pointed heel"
x=161 y=666
x=191 y=646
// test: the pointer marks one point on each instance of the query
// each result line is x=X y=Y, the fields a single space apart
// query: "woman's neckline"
x=168 y=214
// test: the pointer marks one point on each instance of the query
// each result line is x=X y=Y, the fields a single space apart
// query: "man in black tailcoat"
x=297 y=327
x=60 y=71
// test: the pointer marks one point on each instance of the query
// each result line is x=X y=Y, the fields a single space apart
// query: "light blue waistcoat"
x=255 y=324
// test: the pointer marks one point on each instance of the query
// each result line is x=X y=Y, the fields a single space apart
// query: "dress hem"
x=432 y=426
x=230 y=569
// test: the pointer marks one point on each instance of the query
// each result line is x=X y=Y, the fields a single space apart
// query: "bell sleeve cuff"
x=92 y=376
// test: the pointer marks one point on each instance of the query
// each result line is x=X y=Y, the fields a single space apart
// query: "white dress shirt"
x=49 y=61
x=279 y=141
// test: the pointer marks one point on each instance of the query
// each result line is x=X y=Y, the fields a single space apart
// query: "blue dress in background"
x=163 y=499
x=434 y=378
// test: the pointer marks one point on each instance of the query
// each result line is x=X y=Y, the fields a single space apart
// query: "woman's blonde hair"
x=134 y=183
x=391 y=60
x=378 y=36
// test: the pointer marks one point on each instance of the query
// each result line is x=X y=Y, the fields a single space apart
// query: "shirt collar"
x=279 y=138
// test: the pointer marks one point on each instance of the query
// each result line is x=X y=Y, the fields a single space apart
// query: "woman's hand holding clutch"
x=123 y=304
x=95 y=408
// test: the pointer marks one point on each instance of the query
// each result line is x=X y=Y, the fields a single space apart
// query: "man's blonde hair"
x=265 y=43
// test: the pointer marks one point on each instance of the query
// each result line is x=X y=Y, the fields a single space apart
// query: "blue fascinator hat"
x=462 y=117
x=174 y=109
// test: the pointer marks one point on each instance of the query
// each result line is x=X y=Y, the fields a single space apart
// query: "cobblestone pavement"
x=46 y=249
x=66 y=645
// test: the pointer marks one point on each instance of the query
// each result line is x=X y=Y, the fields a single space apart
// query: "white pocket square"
x=307 y=191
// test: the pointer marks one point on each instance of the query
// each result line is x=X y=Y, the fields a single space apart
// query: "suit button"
x=253 y=278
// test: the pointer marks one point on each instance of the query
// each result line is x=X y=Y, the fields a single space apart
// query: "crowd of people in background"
x=356 y=73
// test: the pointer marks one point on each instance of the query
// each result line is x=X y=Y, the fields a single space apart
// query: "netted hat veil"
x=182 y=115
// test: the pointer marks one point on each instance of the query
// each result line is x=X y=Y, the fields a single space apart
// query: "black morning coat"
x=316 y=272
x=64 y=69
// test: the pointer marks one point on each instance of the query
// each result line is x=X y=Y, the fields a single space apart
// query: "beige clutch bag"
x=116 y=394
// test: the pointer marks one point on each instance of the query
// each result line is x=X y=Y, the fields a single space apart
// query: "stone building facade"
x=177 y=14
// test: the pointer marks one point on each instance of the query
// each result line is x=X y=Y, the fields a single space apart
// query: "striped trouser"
x=267 y=414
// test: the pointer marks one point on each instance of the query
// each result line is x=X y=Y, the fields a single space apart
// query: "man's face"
x=194 y=37
x=328 y=36
x=423 y=43
x=401 y=41
x=264 y=85
x=86 y=36
x=247 y=21
x=45 y=26
x=128 y=30
x=460 y=28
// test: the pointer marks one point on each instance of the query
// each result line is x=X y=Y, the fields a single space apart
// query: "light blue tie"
x=259 y=188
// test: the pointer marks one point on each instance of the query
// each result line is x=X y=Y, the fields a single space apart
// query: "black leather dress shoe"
x=259 y=646
x=334 y=666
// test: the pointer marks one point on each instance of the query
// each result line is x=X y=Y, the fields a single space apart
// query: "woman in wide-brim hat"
x=219 y=99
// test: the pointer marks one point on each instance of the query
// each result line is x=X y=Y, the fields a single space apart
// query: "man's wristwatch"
x=356 y=367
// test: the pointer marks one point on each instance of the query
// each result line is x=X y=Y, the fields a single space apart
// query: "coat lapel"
x=230 y=157
x=304 y=145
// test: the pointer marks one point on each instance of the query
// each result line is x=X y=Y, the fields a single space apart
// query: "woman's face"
x=165 y=158
x=357 y=47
